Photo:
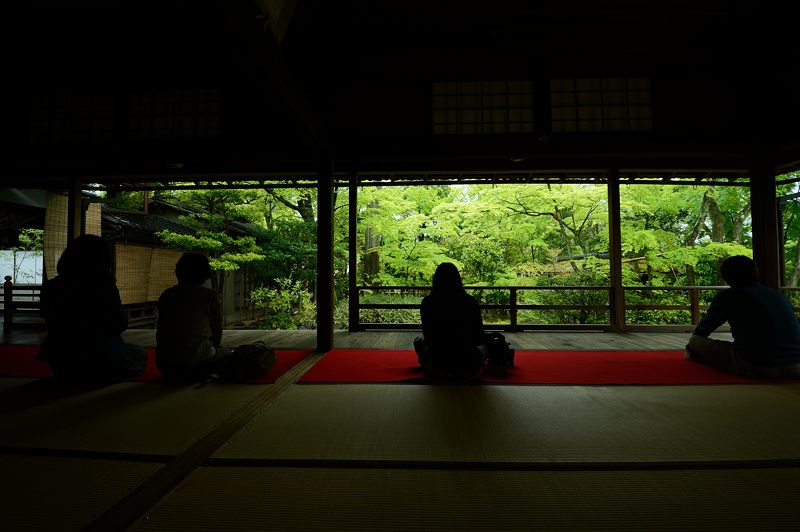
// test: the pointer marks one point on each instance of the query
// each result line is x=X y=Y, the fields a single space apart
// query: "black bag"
x=248 y=361
x=499 y=351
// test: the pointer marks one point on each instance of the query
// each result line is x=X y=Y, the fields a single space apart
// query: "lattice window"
x=601 y=104
x=482 y=107
x=174 y=114
x=65 y=117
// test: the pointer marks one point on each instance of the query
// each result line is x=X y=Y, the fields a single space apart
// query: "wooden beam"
x=270 y=61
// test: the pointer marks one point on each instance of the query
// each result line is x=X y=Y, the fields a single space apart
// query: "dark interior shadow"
x=30 y=394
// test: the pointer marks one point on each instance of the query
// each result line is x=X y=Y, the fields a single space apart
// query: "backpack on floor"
x=248 y=361
x=500 y=354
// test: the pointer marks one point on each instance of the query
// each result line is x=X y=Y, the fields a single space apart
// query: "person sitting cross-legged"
x=85 y=319
x=765 y=329
x=452 y=346
x=189 y=330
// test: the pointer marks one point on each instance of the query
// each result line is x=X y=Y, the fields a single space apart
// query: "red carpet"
x=532 y=367
x=20 y=361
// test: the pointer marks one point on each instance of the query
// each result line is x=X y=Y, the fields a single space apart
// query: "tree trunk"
x=690 y=275
x=716 y=217
x=737 y=231
x=372 y=240
x=304 y=206
x=691 y=237
x=371 y=258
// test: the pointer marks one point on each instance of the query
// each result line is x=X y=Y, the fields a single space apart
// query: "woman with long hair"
x=452 y=343
x=84 y=318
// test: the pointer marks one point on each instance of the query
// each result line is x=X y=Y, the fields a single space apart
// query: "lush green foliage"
x=126 y=201
x=30 y=245
x=287 y=306
x=789 y=208
x=289 y=250
x=552 y=235
x=499 y=236
x=279 y=247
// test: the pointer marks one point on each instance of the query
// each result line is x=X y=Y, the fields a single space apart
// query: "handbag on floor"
x=248 y=361
x=500 y=354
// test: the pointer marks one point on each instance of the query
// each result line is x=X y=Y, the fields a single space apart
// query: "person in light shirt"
x=189 y=330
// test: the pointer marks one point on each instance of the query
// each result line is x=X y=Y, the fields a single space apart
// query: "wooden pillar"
x=352 y=254
x=76 y=217
x=766 y=230
x=325 y=260
x=8 y=306
x=617 y=294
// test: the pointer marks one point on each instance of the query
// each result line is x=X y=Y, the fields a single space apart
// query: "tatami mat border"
x=79 y=453
x=444 y=465
x=127 y=510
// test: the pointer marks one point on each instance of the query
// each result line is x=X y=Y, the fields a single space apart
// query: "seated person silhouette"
x=765 y=330
x=84 y=318
x=452 y=343
x=189 y=330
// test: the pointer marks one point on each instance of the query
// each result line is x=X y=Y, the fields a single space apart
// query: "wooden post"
x=513 y=310
x=352 y=256
x=76 y=219
x=694 y=298
x=8 y=304
x=325 y=260
x=616 y=294
x=763 y=204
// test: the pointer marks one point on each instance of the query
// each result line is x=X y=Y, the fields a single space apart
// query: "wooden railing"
x=22 y=301
x=142 y=315
x=21 y=306
x=694 y=306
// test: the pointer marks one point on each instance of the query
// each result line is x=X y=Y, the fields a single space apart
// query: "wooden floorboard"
x=307 y=339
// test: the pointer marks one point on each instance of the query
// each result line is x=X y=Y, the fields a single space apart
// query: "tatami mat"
x=233 y=499
x=525 y=424
x=130 y=417
x=40 y=493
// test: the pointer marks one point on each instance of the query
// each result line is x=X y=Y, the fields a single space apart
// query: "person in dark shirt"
x=765 y=329
x=84 y=318
x=452 y=343
x=189 y=333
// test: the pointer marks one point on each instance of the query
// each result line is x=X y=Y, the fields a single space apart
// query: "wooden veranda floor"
x=403 y=339
x=392 y=457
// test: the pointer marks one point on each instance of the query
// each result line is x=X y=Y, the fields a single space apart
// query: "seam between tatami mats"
x=460 y=465
x=125 y=511
x=92 y=455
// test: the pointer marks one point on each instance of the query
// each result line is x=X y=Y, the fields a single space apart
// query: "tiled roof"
x=147 y=223
x=246 y=228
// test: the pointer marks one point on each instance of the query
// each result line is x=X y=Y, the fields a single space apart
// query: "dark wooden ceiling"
x=298 y=84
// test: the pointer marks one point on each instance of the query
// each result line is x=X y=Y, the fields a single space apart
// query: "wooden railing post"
x=513 y=310
x=694 y=298
x=354 y=308
x=8 y=306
